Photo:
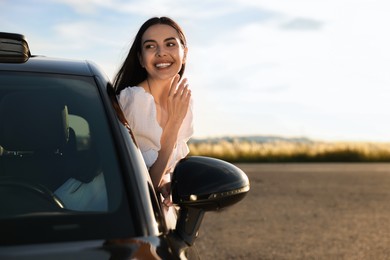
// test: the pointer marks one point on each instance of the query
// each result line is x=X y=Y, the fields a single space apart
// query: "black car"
x=73 y=183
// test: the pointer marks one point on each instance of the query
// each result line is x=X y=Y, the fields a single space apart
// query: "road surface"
x=304 y=211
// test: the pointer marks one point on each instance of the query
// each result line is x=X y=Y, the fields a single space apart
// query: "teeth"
x=163 y=65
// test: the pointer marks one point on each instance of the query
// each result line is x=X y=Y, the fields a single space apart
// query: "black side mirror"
x=201 y=184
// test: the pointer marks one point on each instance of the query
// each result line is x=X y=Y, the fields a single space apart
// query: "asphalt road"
x=304 y=211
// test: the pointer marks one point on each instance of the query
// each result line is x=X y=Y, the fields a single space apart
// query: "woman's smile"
x=163 y=65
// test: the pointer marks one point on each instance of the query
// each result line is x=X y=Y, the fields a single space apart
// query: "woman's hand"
x=165 y=190
x=178 y=100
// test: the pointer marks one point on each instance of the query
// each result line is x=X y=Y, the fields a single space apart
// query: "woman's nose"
x=160 y=52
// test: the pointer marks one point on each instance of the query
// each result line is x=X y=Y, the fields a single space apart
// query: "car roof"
x=44 y=64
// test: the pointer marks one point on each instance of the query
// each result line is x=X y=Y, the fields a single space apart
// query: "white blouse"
x=140 y=111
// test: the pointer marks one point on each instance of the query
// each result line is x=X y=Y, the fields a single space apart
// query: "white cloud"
x=174 y=8
x=85 y=6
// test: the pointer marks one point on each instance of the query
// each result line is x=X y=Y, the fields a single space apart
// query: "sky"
x=292 y=68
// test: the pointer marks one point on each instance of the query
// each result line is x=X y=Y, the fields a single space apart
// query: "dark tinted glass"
x=57 y=156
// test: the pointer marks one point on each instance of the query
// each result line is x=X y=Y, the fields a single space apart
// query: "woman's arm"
x=168 y=142
x=178 y=103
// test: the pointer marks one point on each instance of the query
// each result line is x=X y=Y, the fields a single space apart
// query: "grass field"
x=305 y=211
x=241 y=150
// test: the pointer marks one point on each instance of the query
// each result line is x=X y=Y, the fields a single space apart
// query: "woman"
x=155 y=97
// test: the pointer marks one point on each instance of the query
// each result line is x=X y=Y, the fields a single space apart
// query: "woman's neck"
x=158 y=89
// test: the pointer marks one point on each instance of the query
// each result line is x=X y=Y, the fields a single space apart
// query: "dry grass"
x=235 y=150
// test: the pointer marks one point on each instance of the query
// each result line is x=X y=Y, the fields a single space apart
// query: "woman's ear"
x=185 y=55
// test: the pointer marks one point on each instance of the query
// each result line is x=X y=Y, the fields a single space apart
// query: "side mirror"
x=201 y=184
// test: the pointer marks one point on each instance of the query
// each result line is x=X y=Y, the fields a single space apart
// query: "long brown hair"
x=132 y=73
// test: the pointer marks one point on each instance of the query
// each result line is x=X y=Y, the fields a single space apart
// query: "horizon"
x=285 y=138
x=301 y=68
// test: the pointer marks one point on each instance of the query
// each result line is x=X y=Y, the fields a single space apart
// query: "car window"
x=56 y=153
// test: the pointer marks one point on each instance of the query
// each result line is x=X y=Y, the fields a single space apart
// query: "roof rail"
x=13 y=48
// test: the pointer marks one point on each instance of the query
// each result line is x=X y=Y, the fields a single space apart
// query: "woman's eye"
x=149 y=46
x=171 y=44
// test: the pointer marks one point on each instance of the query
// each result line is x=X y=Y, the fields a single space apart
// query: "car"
x=73 y=183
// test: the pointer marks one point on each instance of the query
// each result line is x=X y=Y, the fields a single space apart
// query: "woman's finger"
x=183 y=88
x=172 y=89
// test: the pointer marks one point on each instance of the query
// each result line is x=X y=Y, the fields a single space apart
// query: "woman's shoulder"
x=132 y=91
x=138 y=107
x=134 y=95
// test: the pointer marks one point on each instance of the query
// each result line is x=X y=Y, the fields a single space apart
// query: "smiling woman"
x=151 y=78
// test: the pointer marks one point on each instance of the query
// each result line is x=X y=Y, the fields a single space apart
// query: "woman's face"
x=162 y=54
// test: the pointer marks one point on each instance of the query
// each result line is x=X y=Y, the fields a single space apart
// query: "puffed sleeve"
x=140 y=112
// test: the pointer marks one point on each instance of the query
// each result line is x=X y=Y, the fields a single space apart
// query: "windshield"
x=56 y=152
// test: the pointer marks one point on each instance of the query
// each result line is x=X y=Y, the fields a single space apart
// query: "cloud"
x=312 y=9
x=174 y=8
x=85 y=6
x=302 y=24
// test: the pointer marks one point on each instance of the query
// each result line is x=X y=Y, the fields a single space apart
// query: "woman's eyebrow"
x=146 y=41
x=170 y=38
x=167 y=39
